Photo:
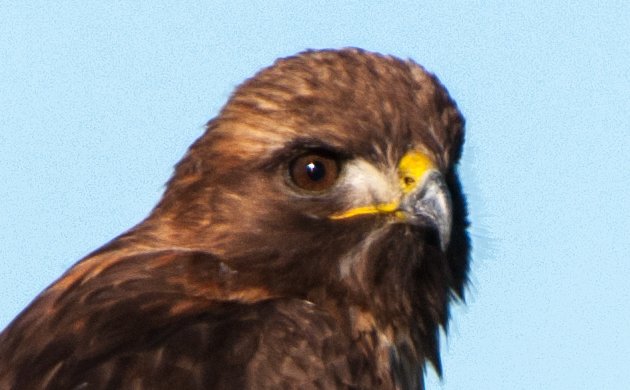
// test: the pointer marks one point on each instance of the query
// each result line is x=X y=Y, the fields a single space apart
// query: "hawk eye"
x=314 y=171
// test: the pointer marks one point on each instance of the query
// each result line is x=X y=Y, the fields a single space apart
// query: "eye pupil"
x=314 y=171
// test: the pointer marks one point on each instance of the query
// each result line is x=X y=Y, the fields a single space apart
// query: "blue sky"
x=98 y=100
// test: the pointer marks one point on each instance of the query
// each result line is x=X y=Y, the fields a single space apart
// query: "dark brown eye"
x=314 y=172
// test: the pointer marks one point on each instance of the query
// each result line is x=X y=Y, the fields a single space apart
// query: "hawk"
x=313 y=237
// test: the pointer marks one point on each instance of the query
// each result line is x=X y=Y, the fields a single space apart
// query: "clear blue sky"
x=98 y=100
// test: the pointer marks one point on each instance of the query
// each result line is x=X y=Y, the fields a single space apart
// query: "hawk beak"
x=424 y=201
x=429 y=204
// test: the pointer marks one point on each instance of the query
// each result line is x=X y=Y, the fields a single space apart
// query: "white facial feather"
x=367 y=184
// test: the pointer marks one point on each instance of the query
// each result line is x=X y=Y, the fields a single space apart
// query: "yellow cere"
x=411 y=168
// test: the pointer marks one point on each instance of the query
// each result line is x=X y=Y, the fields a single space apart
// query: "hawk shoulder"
x=139 y=324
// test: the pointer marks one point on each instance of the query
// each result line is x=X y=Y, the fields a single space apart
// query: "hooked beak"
x=429 y=204
x=425 y=199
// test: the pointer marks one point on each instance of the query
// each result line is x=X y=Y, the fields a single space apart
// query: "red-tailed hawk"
x=313 y=237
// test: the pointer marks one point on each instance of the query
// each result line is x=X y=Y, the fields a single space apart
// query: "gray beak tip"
x=430 y=204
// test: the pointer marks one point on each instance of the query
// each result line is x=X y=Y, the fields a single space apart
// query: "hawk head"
x=331 y=177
